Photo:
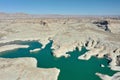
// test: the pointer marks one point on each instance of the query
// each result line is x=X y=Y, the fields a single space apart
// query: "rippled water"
x=70 y=68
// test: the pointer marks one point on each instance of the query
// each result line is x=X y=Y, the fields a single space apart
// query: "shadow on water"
x=70 y=68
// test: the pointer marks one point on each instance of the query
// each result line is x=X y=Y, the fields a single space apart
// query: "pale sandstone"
x=25 y=69
x=11 y=47
x=35 y=50
x=116 y=76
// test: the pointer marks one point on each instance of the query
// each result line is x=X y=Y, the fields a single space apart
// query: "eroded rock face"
x=25 y=69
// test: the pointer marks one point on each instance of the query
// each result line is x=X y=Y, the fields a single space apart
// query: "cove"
x=70 y=68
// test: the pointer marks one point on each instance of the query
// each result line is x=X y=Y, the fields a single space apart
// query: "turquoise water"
x=70 y=68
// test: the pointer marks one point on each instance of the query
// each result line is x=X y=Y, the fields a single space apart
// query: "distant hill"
x=25 y=15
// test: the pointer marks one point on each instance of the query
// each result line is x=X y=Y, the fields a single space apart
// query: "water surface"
x=70 y=68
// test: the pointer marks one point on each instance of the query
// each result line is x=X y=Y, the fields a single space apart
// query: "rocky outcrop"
x=25 y=69
x=35 y=50
x=103 y=24
x=115 y=59
x=11 y=47
x=43 y=23
x=118 y=60
x=98 y=52
x=116 y=76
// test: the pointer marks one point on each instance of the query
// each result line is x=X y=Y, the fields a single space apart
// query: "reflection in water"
x=70 y=68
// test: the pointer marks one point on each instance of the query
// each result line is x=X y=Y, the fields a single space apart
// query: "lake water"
x=70 y=68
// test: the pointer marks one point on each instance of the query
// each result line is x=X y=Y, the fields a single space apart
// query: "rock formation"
x=11 y=47
x=102 y=24
x=106 y=77
x=35 y=50
x=67 y=33
x=25 y=69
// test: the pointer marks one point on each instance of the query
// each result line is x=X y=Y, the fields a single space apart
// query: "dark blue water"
x=70 y=68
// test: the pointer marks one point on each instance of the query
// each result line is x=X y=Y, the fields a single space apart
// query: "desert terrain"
x=99 y=34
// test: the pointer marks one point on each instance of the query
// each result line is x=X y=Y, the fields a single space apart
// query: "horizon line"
x=55 y=14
